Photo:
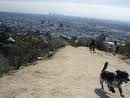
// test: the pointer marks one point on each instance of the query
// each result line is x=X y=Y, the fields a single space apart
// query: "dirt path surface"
x=71 y=73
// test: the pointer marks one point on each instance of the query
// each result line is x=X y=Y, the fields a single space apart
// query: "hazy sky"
x=107 y=9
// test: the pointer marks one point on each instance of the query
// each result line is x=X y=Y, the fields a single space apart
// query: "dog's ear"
x=121 y=72
x=118 y=71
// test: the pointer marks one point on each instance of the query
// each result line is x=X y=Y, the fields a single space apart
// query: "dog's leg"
x=101 y=82
x=90 y=50
x=108 y=87
x=112 y=89
x=121 y=93
x=93 y=50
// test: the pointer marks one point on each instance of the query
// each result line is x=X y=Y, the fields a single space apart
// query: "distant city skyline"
x=104 y=9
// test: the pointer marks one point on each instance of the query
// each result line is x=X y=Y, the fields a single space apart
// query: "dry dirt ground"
x=71 y=73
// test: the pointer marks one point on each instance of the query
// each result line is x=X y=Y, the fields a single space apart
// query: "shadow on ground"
x=101 y=93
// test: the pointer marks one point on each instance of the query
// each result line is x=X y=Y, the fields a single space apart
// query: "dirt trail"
x=71 y=73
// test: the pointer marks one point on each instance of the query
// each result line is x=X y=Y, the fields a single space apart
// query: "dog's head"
x=123 y=75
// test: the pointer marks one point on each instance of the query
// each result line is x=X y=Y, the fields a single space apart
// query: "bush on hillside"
x=4 y=66
x=125 y=50
x=100 y=45
x=27 y=49
x=77 y=43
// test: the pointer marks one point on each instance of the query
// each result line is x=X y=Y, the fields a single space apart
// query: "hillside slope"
x=71 y=73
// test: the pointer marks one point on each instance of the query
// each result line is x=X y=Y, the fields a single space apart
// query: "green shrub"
x=100 y=45
x=4 y=66
x=125 y=50
x=27 y=49
x=77 y=43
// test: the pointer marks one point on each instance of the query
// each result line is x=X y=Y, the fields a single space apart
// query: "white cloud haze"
x=85 y=8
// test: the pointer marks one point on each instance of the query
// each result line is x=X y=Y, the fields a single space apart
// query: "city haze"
x=104 y=9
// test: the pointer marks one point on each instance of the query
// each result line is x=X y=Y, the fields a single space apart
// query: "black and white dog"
x=113 y=79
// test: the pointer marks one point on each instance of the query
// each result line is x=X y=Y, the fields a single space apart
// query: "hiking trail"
x=70 y=73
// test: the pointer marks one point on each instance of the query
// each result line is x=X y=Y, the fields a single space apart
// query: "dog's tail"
x=105 y=66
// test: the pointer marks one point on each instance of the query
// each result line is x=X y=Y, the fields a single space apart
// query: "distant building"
x=65 y=37
x=102 y=37
x=10 y=41
x=60 y=25
x=42 y=22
